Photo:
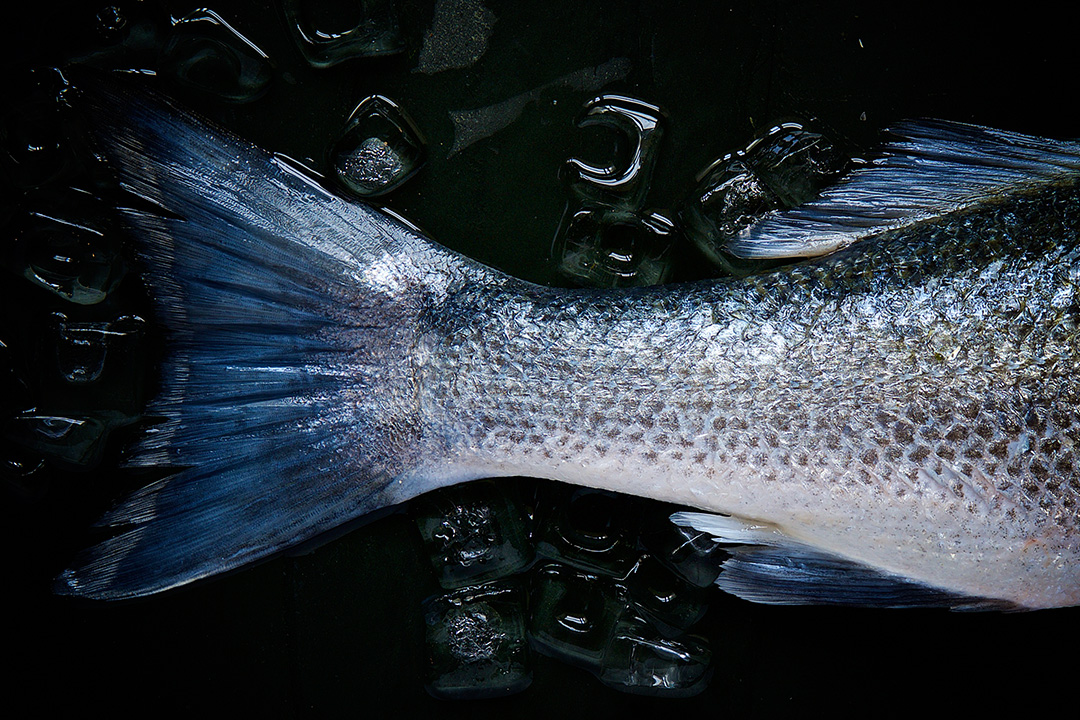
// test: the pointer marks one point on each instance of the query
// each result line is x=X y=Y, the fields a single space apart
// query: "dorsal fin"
x=932 y=168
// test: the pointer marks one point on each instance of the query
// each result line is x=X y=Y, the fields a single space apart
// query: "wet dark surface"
x=341 y=631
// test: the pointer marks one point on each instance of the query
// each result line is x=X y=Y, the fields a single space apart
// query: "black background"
x=338 y=632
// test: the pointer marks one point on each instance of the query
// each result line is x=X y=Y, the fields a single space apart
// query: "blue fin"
x=287 y=403
x=931 y=169
x=766 y=566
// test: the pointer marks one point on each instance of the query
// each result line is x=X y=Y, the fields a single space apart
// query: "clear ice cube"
x=691 y=554
x=638 y=660
x=624 y=181
x=205 y=53
x=603 y=246
x=66 y=247
x=591 y=530
x=33 y=144
x=672 y=604
x=606 y=237
x=796 y=163
x=473 y=533
x=786 y=167
x=82 y=347
x=19 y=466
x=370 y=28
x=573 y=614
x=75 y=441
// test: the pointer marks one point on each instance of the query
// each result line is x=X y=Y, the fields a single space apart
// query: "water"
x=343 y=628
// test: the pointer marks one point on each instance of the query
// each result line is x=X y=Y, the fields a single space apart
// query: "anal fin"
x=766 y=566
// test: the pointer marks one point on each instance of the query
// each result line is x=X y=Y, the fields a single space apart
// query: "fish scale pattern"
x=916 y=390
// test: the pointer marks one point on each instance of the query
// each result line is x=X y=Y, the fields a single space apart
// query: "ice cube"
x=603 y=246
x=624 y=181
x=371 y=28
x=474 y=533
x=379 y=148
x=205 y=53
x=477 y=646
x=637 y=660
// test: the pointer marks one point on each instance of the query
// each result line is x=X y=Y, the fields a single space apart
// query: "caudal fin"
x=289 y=402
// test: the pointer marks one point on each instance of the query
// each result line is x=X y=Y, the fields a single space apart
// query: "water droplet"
x=379 y=148
x=624 y=181
x=601 y=246
x=205 y=53
x=374 y=32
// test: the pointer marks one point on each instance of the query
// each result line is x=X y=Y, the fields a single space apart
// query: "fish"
x=885 y=417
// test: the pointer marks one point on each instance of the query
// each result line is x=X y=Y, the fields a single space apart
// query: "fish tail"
x=288 y=400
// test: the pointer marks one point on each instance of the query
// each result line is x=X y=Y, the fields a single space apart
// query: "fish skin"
x=907 y=404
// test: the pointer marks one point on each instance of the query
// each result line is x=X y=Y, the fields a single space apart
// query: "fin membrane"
x=931 y=169
x=765 y=566
x=287 y=405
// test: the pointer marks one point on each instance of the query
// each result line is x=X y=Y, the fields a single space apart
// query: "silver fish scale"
x=910 y=403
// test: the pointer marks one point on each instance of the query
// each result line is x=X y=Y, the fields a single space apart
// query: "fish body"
x=910 y=405
x=890 y=422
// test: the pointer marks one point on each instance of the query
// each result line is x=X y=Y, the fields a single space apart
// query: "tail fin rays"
x=288 y=403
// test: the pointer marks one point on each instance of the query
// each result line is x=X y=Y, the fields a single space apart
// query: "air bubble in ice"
x=379 y=149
